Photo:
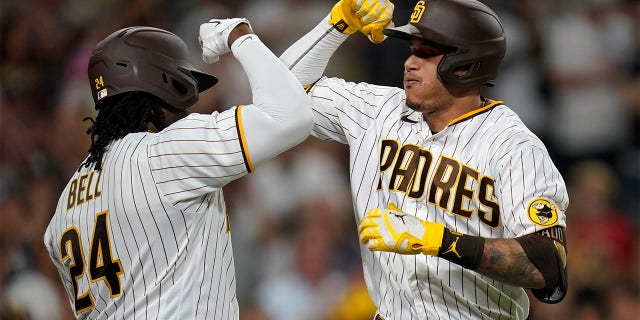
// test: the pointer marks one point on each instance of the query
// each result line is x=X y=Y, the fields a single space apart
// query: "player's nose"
x=410 y=64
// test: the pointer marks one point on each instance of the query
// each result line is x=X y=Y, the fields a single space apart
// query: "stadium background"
x=571 y=72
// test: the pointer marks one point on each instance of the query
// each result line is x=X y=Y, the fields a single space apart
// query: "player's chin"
x=411 y=101
x=413 y=105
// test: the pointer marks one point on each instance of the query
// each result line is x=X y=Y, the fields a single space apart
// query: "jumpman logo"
x=400 y=217
x=452 y=248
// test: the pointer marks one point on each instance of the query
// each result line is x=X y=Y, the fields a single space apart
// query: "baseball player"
x=459 y=206
x=140 y=231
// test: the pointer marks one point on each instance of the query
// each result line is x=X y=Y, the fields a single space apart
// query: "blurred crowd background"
x=571 y=72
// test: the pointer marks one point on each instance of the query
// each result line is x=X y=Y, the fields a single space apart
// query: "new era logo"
x=102 y=93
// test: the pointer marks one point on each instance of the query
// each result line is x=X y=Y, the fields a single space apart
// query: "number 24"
x=102 y=266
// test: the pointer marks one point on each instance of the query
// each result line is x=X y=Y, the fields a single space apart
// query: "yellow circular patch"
x=542 y=212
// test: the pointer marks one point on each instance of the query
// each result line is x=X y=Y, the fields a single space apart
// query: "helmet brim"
x=405 y=32
x=205 y=80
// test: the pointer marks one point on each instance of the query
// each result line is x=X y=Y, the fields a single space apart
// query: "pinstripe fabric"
x=167 y=224
x=477 y=177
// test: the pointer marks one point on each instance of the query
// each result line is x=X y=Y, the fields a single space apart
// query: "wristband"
x=433 y=236
x=462 y=249
x=342 y=18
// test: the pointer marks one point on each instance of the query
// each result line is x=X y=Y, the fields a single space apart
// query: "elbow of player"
x=301 y=125
x=537 y=281
x=308 y=119
x=295 y=128
x=303 y=118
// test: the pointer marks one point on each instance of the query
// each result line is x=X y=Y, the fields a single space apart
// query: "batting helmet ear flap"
x=482 y=62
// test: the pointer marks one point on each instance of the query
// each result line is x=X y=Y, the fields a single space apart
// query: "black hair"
x=120 y=115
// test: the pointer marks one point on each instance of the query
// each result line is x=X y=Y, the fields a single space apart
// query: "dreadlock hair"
x=120 y=115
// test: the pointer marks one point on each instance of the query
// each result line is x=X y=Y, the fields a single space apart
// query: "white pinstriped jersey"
x=485 y=175
x=147 y=237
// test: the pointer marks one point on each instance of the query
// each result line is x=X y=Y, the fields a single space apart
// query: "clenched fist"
x=366 y=16
x=395 y=231
x=215 y=38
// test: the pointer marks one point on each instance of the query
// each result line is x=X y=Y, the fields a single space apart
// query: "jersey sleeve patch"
x=542 y=212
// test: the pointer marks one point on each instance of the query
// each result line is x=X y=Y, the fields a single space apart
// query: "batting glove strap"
x=343 y=19
x=461 y=249
x=367 y=16
x=214 y=37
x=432 y=240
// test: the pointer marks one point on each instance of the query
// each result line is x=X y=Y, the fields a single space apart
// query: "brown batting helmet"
x=472 y=31
x=146 y=59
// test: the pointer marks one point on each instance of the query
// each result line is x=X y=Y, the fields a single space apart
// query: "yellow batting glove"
x=375 y=15
x=367 y=16
x=395 y=231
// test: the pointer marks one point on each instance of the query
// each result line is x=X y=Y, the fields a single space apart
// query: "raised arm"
x=280 y=116
x=308 y=57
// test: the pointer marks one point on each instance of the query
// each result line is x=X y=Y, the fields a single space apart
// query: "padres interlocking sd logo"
x=542 y=212
x=417 y=13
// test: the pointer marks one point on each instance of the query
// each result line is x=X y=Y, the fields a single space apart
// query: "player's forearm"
x=535 y=261
x=308 y=57
x=281 y=115
x=506 y=261
x=500 y=259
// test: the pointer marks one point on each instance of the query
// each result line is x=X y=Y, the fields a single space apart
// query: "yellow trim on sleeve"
x=243 y=141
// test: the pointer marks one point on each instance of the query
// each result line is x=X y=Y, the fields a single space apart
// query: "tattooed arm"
x=535 y=261
x=506 y=261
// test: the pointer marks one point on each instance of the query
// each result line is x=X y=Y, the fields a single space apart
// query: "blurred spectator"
x=598 y=229
x=33 y=296
x=354 y=303
x=623 y=299
x=588 y=116
x=589 y=304
x=269 y=19
x=302 y=187
x=603 y=246
x=30 y=287
x=309 y=288
x=521 y=80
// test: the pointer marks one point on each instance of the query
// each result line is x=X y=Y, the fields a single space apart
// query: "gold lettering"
x=99 y=82
x=463 y=193
x=418 y=186
x=81 y=188
x=404 y=169
x=411 y=168
x=388 y=150
x=444 y=178
x=98 y=192
x=89 y=195
x=71 y=200
x=492 y=216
